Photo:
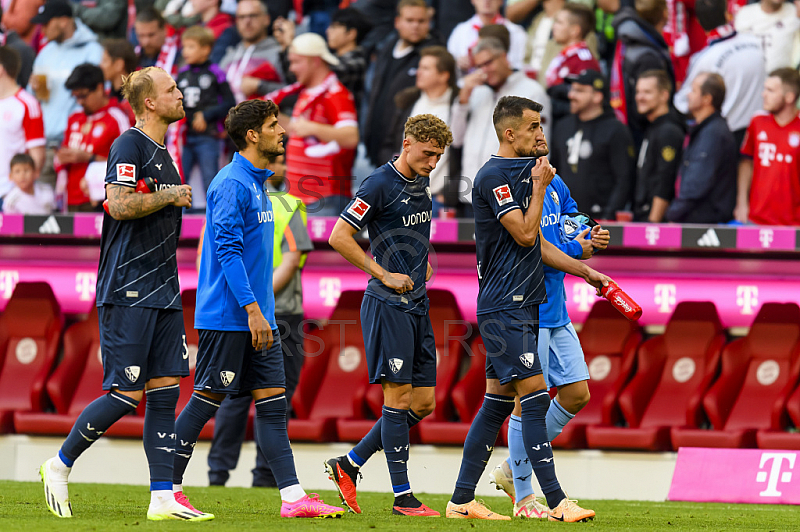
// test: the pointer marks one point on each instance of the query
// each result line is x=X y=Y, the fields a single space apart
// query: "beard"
x=268 y=152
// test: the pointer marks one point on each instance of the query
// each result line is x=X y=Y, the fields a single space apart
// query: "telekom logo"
x=8 y=280
x=330 y=288
x=747 y=298
x=583 y=296
x=652 y=234
x=766 y=236
x=85 y=283
x=775 y=475
x=665 y=297
x=317 y=227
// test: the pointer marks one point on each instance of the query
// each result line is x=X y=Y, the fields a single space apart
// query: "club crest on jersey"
x=527 y=359
x=359 y=208
x=395 y=364
x=132 y=372
x=554 y=196
x=570 y=226
x=227 y=377
x=428 y=191
x=794 y=140
x=503 y=194
x=126 y=173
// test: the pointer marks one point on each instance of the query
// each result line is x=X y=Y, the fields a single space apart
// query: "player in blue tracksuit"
x=394 y=204
x=239 y=349
x=508 y=196
x=559 y=349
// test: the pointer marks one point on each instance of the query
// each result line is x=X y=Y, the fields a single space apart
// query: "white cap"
x=312 y=45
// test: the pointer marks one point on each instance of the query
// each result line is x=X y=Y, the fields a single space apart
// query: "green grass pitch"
x=101 y=507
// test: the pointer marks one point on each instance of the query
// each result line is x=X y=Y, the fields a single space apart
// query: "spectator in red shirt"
x=211 y=17
x=769 y=171
x=323 y=131
x=89 y=134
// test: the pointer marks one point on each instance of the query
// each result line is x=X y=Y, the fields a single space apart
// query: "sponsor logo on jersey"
x=417 y=218
x=132 y=372
x=527 y=359
x=359 y=208
x=395 y=364
x=126 y=173
x=549 y=219
x=503 y=194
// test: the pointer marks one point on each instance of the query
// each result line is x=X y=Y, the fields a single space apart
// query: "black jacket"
x=707 y=192
x=658 y=163
x=596 y=161
x=205 y=90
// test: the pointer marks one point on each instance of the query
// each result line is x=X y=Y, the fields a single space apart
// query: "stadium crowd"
x=656 y=110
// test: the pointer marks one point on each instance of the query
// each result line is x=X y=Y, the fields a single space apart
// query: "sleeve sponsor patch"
x=503 y=195
x=359 y=208
x=126 y=173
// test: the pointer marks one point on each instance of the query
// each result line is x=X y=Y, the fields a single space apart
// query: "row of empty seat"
x=686 y=387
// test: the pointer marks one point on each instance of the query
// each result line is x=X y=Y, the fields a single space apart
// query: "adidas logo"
x=50 y=226
x=709 y=239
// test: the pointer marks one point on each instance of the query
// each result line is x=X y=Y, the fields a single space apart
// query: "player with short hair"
x=508 y=196
x=394 y=204
x=240 y=349
x=138 y=298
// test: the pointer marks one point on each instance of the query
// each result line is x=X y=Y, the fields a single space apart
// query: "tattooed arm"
x=124 y=203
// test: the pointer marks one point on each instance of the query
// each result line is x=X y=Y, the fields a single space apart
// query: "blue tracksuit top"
x=236 y=260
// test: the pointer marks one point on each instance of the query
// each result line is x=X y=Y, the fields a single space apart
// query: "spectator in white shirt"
x=28 y=196
x=776 y=23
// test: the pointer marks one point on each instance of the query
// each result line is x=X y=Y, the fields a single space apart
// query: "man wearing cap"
x=323 y=130
x=592 y=150
x=70 y=43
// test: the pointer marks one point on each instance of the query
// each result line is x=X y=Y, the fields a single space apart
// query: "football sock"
x=95 y=419
x=537 y=446
x=557 y=418
x=518 y=459
x=394 y=435
x=371 y=443
x=159 y=434
x=274 y=440
x=407 y=501
x=190 y=423
x=292 y=493
x=479 y=444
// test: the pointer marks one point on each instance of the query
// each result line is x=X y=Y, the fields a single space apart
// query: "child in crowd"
x=27 y=196
x=207 y=97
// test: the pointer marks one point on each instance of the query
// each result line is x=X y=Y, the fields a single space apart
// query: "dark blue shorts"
x=228 y=363
x=399 y=346
x=139 y=344
x=510 y=337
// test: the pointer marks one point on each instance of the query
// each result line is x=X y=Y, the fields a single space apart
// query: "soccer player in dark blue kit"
x=239 y=349
x=508 y=196
x=394 y=204
x=138 y=298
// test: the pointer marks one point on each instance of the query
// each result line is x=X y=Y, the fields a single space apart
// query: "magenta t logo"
x=775 y=475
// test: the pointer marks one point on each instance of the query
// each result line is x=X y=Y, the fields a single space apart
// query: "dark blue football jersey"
x=138 y=263
x=397 y=214
x=510 y=276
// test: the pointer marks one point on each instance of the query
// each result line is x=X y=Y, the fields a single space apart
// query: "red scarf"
x=719 y=33
x=552 y=76
x=617 y=85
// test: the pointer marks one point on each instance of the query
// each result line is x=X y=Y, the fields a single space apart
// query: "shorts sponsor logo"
x=126 y=173
x=527 y=359
x=132 y=372
x=359 y=208
x=227 y=377
x=503 y=195
x=395 y=364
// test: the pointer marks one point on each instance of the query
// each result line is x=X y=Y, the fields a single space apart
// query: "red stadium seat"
x=785 y=417
x=674 y=370
x=334 y=377
x=609 y=342
x=758 y=372
x=30 y=329
x=449 y=328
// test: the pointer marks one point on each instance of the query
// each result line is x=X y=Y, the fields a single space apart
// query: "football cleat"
x=503 y=479
x=411 y=506
x=531 y=508
x=310 y=506
x=473 y=510
x=343 y=474
x=569 y=512
x=183 y=500
x=172 y=510
x=56 y=494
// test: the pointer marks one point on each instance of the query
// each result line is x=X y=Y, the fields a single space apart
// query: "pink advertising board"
x=736 y=476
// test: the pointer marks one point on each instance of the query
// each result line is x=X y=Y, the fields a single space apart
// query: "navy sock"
x=534 y=434
x=159 y=434
x=95 y=419
x=190 y=423
x=394 y=435
x=371 y=443
x=480 y=443
x=274 y=440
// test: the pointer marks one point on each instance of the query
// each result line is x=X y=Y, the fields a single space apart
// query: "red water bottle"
x=622 y=301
